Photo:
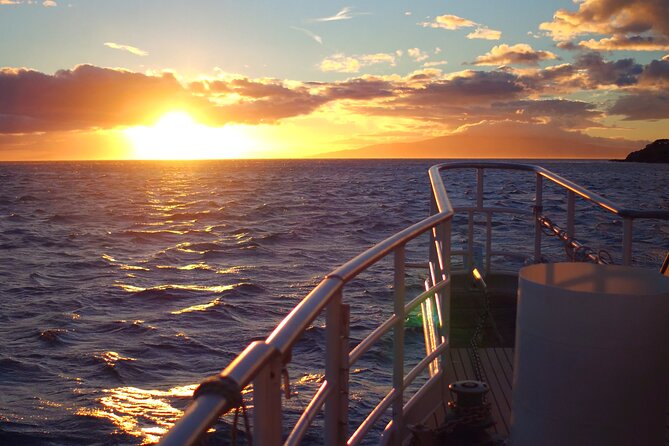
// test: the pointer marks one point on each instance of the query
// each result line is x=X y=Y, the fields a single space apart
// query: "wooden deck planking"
x=460 y=368
x=498 y=370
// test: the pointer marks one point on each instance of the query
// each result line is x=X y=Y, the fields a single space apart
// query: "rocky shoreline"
x=655 y=152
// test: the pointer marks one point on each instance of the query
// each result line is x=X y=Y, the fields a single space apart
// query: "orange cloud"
x=130 y=49
x=448 y=21
x=485 y=33
x=453 y=22
x=631 y=24
x=519 y=54
x=352 y=64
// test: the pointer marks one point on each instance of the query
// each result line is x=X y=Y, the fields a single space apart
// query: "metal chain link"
x=465 y=416
x=574 y=250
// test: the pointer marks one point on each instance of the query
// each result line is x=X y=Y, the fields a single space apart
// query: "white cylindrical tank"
x=591 y=362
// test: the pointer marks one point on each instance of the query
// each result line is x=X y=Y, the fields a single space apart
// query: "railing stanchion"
x=627 y=241
x=479 y=189
x=571 y=213
x=398 y=344
x=488 y=240
x=267 y=403
x=470 y=240
x=336 y=371
x=538 y=210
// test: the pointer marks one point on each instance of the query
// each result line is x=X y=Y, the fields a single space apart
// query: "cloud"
x=448 y=21
x=485 y=33
x=519 y=54
x=352 y=64
x=85 y=97
x=453 y=22
x=642 y=106
x=417 y=54
x=346 y=13
x=630 y=24
x=435 y=63
x=130 y=49
x=45 y=3
x=628 y=43
x=316 y=37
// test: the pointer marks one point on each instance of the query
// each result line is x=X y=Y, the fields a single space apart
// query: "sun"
x=177 y=136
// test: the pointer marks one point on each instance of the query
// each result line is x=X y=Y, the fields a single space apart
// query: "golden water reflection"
x=210 y=289
x=145 y=414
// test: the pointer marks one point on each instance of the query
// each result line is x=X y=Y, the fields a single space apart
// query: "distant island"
x=655 y=152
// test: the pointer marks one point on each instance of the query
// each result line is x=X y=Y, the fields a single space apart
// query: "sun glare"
x=177 y=136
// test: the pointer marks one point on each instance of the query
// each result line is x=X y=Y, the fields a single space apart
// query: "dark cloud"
x=519 y=54
x=89 y=97
x=642 y=106
x=562 y=112
x=82 y=98
x=360 y=89
x=630 y=24
x=621 y=72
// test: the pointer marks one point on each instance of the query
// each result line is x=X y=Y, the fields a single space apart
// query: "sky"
x=138 y=79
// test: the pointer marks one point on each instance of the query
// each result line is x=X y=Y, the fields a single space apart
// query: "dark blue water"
x=123 y=284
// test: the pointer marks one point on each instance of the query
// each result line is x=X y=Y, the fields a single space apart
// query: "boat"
x=458 y=392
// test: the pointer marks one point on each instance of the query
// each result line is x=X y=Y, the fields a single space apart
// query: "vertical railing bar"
x=444 y=296
x=335 y=429
x=627 y=241
x=488 y=241
x=538 y=211
x=470 y=240
x=479 y=189
x=267 y=417
x=571 y=213
x=398 y=343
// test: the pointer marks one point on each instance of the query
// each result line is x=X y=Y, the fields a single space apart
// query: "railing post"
x=398 y=343
x=336 y=371
x=627 y=241
x=571 y=213
x=488 y=240
x=267 y=403
x=479 y=189
x=470 y=239
x=538 y=210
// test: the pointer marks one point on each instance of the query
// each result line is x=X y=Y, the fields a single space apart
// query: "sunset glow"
x=555 y=79
x=177 y=136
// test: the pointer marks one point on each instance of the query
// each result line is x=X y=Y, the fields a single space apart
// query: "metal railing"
x=262 y=362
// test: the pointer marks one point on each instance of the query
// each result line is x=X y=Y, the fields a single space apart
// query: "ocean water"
x=123 y=284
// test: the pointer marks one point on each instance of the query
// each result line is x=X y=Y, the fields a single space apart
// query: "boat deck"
x=498 y=370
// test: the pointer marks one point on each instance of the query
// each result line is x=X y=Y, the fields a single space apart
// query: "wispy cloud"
x=435 y=63
x=352 y=64
x=316 y=37
x=485 y=33
x=417 y=54
x=453 y=22
x=45 y=3
x=346 y=13
x=449 y=21
x=130 y=49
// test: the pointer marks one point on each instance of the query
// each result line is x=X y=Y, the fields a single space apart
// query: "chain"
x=465 y=416
x=574 y=250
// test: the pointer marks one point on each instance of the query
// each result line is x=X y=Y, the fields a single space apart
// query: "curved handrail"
x=443 y=203
x=245 y=368
x=290 y=329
